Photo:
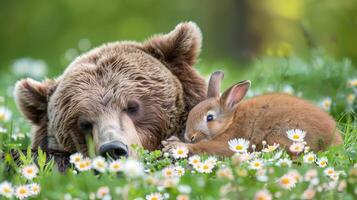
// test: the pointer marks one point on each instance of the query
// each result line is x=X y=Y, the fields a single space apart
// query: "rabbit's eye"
x=209 y=117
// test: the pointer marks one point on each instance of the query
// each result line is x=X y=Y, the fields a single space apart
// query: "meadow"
x=261 y=175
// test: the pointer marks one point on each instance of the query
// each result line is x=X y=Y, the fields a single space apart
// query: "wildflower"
x=168 y=172
x=170 y=182
x=309 y=158
x=256 y=164
x=308 y=194
x=212 y=160
x=84 y=165
x=99 y=164
x=102 y=192
x=296 y=135
x=322 y=162
x=351 y=98
x=133 y=168
x=182 y=197
x=179 y=171
x=154 y=196
x=115 y=166
x=270 y=148
x=285 y=162
x=194 y=160
x=225 y=172
x=22 y=192
x=180 y=152
x=352 y=82
x=287 y=181
x=329 y=171
x=295 y=174
x=326 y=103
x=241 y=157
x=297 y=147
x=29 y=171
x=238 y=145
x=6 y=189
x=206 y=167
x=310 y=174
x=75 y=158
x=35 y=188
x=263 y=195
x=5 y=114
x=261 y=175
x=288 y=89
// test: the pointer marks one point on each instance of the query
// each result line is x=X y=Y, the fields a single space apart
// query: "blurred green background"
x=306 y=47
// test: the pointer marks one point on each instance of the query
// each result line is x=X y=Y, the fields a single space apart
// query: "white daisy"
x=180 y=152
x=270 y=148
x=99 y=164
x=263 y=195
x=22 y=192
x=102 y=192
x=6 y=189
x=29 y=171
x=295 y=174
x=351 y=98
x=154 y=196
x=287 y=181
x=168 y=172
x=133 y=168
x=326 y=103
x=194 y=160
x=179 y=171
x=322 y=162
x=297 y=147
x=206 y=167
x=225 y=172
x=115 y=166
x=35 y=189
x=330 y=171
x=256 y=164
x=239 y=145
x=75 y=158
x=212 y=160
x=84 y=165
x=284 y=162
x=309 y=158
x=296 y=135
x=5 y=114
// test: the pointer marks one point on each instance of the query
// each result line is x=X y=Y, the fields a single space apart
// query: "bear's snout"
x=115 y=150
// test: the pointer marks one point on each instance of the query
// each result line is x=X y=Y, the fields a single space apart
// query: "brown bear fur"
x=157 y=74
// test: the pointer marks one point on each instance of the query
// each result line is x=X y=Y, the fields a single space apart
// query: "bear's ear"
x=32 y=97
x=183 y=44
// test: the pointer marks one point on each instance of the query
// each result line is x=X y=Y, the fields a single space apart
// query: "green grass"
x=316 y=79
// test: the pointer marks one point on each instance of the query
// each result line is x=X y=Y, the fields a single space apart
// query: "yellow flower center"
x=168 y=173
x=22 y=191
x=82 y=165
x=257 y=164
x=310 y=158
x=7 y=190
x=261 y=197
x=296 y=136
x=195 y=161
x=323 y=163
x=100 y=165
x=29 y=171
x=285 y=181
x=116 y=166
x=2 y=116
x=77 y=159
x=154 y=198
x=205 y=167
x=239 y=147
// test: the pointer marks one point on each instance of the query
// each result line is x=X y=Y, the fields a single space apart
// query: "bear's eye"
x=132 y=107
x=85 y=125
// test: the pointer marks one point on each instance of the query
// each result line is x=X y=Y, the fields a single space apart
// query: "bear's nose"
x=114 y=149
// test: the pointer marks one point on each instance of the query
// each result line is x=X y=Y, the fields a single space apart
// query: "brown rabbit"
x=218 y=119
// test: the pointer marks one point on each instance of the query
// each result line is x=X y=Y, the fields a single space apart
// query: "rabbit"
x=220 y=118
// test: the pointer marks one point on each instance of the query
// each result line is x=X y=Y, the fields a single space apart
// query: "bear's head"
x=119 y=94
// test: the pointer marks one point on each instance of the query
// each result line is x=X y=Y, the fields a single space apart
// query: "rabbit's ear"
x=235 y=94
x=214 y=85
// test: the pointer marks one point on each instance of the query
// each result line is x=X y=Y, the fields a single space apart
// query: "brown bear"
x=121 y=93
